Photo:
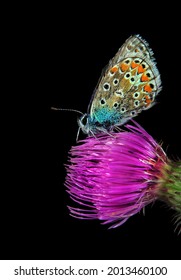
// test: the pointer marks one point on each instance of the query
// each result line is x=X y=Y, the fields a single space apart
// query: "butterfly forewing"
x=129 y=85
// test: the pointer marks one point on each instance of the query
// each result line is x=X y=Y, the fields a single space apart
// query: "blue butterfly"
x=128 y=85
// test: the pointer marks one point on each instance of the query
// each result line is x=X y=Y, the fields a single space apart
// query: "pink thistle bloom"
x=113 y=177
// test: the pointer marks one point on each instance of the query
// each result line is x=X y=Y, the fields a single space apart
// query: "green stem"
x=169 y=188
x=170 y=185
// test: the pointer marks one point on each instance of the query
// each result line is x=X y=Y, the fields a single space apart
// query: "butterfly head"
x=84 y=123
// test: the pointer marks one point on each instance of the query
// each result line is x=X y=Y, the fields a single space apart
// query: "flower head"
x=114 y=177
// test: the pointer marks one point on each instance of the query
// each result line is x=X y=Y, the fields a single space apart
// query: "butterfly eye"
x=106 y=86
x=83 y=120
x=123 y=109
x=115 y=82
x=103 y=101
x=136 y=103
x=136 y=95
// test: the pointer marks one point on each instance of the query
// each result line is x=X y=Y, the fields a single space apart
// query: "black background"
x=57 y=62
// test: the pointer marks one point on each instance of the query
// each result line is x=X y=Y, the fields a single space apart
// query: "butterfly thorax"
x=103 y=119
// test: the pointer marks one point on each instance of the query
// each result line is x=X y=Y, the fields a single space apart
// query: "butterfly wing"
x=134 y=46
x=128 y=85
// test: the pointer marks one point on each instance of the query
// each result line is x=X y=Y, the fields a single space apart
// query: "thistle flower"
x=113 y=177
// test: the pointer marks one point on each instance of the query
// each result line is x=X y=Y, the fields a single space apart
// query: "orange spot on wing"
x=134 y=65
x=140 y=69
x=148 y=100
x=147 y=88
x=124 y=67
x=114 y=69
x=144 y=78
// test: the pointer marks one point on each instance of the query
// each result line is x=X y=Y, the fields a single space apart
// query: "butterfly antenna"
x=70 y=110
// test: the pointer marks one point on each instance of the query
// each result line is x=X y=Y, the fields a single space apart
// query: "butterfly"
x=128 y=85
